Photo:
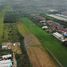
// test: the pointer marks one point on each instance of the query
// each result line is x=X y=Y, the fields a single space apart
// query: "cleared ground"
x=1 y=24
x=38 y=56
x=48 y=41
x=2 y=14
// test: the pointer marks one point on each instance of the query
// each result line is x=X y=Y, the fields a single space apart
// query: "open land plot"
x=1 y=25
x=2 y=14
x=9 y=33
x=38 y=56
x=12 y=39
x=48 y=41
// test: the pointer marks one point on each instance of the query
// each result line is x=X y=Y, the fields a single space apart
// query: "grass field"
x=48 y=41
x=1 y=25
x=2 y=14
x=35 y=50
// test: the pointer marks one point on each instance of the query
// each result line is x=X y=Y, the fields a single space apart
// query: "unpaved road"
x=14 y=60
x=38 y=56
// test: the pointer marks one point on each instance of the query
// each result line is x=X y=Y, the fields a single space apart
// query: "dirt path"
x=38 y=56
x=14 y=60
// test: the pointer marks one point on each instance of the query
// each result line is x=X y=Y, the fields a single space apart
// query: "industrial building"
x=62 y=19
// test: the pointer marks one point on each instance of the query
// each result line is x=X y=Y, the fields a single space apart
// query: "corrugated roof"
x=7 y=56
x=57 y=17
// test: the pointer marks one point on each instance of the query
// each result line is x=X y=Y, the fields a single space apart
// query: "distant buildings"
x=58 y=16
x=53 y=11
x=61 y=19
x=53 y=26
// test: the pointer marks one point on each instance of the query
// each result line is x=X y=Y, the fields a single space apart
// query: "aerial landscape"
x=33 y=33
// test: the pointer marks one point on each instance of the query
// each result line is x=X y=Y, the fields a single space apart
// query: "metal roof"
x=7 y=56
x=57 y=17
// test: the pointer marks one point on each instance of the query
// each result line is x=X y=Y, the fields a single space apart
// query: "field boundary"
x=57 y=61
x=44 y=55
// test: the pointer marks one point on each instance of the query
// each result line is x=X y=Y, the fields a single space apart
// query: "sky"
x=38 y=2
x=42 y=4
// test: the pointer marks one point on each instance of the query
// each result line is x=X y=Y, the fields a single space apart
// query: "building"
x=7 y=56
x=53 y=11
x=6 y=63
x=61 y=19
x=59 y=36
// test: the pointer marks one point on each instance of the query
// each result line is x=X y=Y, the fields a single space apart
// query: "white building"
x=7 y=56
x=59 y=36
x=6 y=63
x=58 y=17
x=44 y=27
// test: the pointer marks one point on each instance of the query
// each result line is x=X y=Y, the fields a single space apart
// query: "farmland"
x=34 y=49
x=10 y=35
x=1 y=24
x=2 y=14
x=38 y=43
x=48 y=41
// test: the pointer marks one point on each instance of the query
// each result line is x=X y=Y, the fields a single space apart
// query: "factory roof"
x=7 y=56
x=58 y=16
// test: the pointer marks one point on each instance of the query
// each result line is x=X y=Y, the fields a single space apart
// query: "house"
x=7 y=56
x=44 y=27
x=4 y=47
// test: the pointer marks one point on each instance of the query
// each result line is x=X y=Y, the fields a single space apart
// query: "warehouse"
x=59 y=36
x=58 y=18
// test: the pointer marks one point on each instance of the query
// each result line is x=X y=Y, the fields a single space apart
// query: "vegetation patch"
x=48 y=41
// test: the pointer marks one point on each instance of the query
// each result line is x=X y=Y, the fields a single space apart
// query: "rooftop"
x=58 y=16
x=5 y=63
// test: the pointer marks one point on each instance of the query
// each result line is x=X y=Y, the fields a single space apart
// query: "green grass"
x=2 y=14
x=1 y=25
x=48 y=41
